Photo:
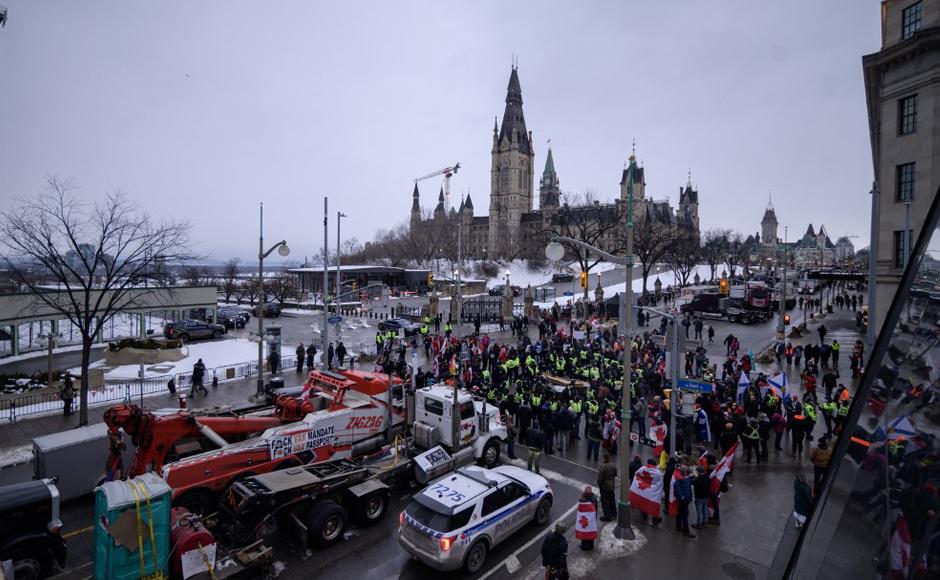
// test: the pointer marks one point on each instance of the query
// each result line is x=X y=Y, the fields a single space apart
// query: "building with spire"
x=514 y=227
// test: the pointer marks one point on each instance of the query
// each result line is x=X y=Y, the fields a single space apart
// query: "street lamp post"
x=555 y=252
x=339 y=216
x=283 y=250
x=781 y=325
x=325 y=329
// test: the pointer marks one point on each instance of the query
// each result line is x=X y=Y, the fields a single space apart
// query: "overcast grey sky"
x=200 y=110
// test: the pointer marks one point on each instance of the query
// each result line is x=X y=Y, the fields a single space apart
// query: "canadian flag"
x=585 y=524
x=723 y=467
x=900 y=550
x=673 y=502
x=658 y=434
x=646 y=491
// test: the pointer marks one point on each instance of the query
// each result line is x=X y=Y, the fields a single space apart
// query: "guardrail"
x=20 y=406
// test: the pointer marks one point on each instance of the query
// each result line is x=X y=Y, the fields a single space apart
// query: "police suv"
x=460 y=517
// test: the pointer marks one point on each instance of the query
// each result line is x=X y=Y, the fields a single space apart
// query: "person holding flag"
x=722 y=468
x=585 y=524
x=646 y=491
x=680 y=495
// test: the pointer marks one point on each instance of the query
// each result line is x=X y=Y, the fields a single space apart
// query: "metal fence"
x=19 y=406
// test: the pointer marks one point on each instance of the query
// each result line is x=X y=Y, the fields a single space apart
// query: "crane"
x=447 y=172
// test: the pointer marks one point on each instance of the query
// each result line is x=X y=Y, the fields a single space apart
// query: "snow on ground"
x=16 y=455
x=213 y=354
x=668 y=278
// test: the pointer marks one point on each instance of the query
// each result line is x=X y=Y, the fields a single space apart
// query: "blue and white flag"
x=900 y=426
x=743 y=384
x=780 y=382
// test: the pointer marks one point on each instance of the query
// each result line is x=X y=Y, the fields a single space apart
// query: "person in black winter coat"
x=311 y=353
x=555 y=554
x=524 y=419
x=635 y=466
x=534 y=440
x=549 y=426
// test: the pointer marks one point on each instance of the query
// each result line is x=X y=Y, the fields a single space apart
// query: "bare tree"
x=283 y=287
x=195 y=275
x=684 y=254
x=229 y=281
x=715 y=249
x=584 y=218
x=97 y=255
x=735 y=250
x=651 y=241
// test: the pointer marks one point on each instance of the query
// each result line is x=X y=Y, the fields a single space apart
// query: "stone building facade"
x=514 y=227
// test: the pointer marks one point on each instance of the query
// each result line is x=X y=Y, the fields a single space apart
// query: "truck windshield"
x=466 y=410
x=437 y=521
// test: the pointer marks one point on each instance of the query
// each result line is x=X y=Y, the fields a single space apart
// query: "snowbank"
x=213 y=354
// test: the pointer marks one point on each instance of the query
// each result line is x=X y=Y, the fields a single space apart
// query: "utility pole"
x=458 y=298
x=624 y=528
x=339 y=216
x=325 y=329
x=870 y=332
x=781 y=325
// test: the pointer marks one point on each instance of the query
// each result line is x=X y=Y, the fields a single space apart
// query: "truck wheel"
x=732 y=319
x=543 y=511
x=372 y=508
x=31 y=564
x=200 y=502
x=490 y=456
x=476 y=557
x=326 y=524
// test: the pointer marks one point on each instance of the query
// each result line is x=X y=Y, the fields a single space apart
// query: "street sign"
x=569 y=293
x=648 y=442
x=699 y=386
x=335 y=319
x=634 y=437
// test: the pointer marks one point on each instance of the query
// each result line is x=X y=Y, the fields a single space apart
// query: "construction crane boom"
x=447 y=172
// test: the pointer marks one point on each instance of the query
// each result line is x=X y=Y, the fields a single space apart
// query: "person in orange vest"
x=788 y=353
x=586 y=519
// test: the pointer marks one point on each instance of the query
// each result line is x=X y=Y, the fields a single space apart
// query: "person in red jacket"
x=778 y=425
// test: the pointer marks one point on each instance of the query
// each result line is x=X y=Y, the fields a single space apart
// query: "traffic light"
x=723 y=286
x=584 y=279
x=786 y=319
x=430 y=278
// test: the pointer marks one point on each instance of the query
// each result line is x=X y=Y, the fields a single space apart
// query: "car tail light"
x=446 y=543
x=401 y=519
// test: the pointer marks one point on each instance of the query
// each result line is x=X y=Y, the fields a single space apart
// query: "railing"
x=14 y=408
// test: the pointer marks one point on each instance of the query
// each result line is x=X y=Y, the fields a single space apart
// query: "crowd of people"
x=566 y=384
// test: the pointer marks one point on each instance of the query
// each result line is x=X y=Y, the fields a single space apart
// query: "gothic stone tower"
x=511 y=183
x=768 y=226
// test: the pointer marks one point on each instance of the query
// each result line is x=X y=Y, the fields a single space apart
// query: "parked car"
x=400 y=324
x=499 y=288
x=232 y=317
x=458 y=519
x=30 y=528
x=186 y=330
x=271 y=310
x=236 y=311
x=562 y=277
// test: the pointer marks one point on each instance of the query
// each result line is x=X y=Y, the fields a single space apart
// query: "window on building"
x=907 y=115
x=904 y=189
x=910 y=19
x=899 y=248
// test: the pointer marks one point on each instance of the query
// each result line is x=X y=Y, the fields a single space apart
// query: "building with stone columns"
x=514 y=226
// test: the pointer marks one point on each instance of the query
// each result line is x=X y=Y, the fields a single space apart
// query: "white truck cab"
x=480 y=434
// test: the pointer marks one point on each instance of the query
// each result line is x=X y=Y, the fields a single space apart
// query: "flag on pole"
x=743 y=384
x=646 y=491
x=723 y=467
x=658 y=434
x=900 y=549
x=673 y=502
x=780 y=381
x=585 y=524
